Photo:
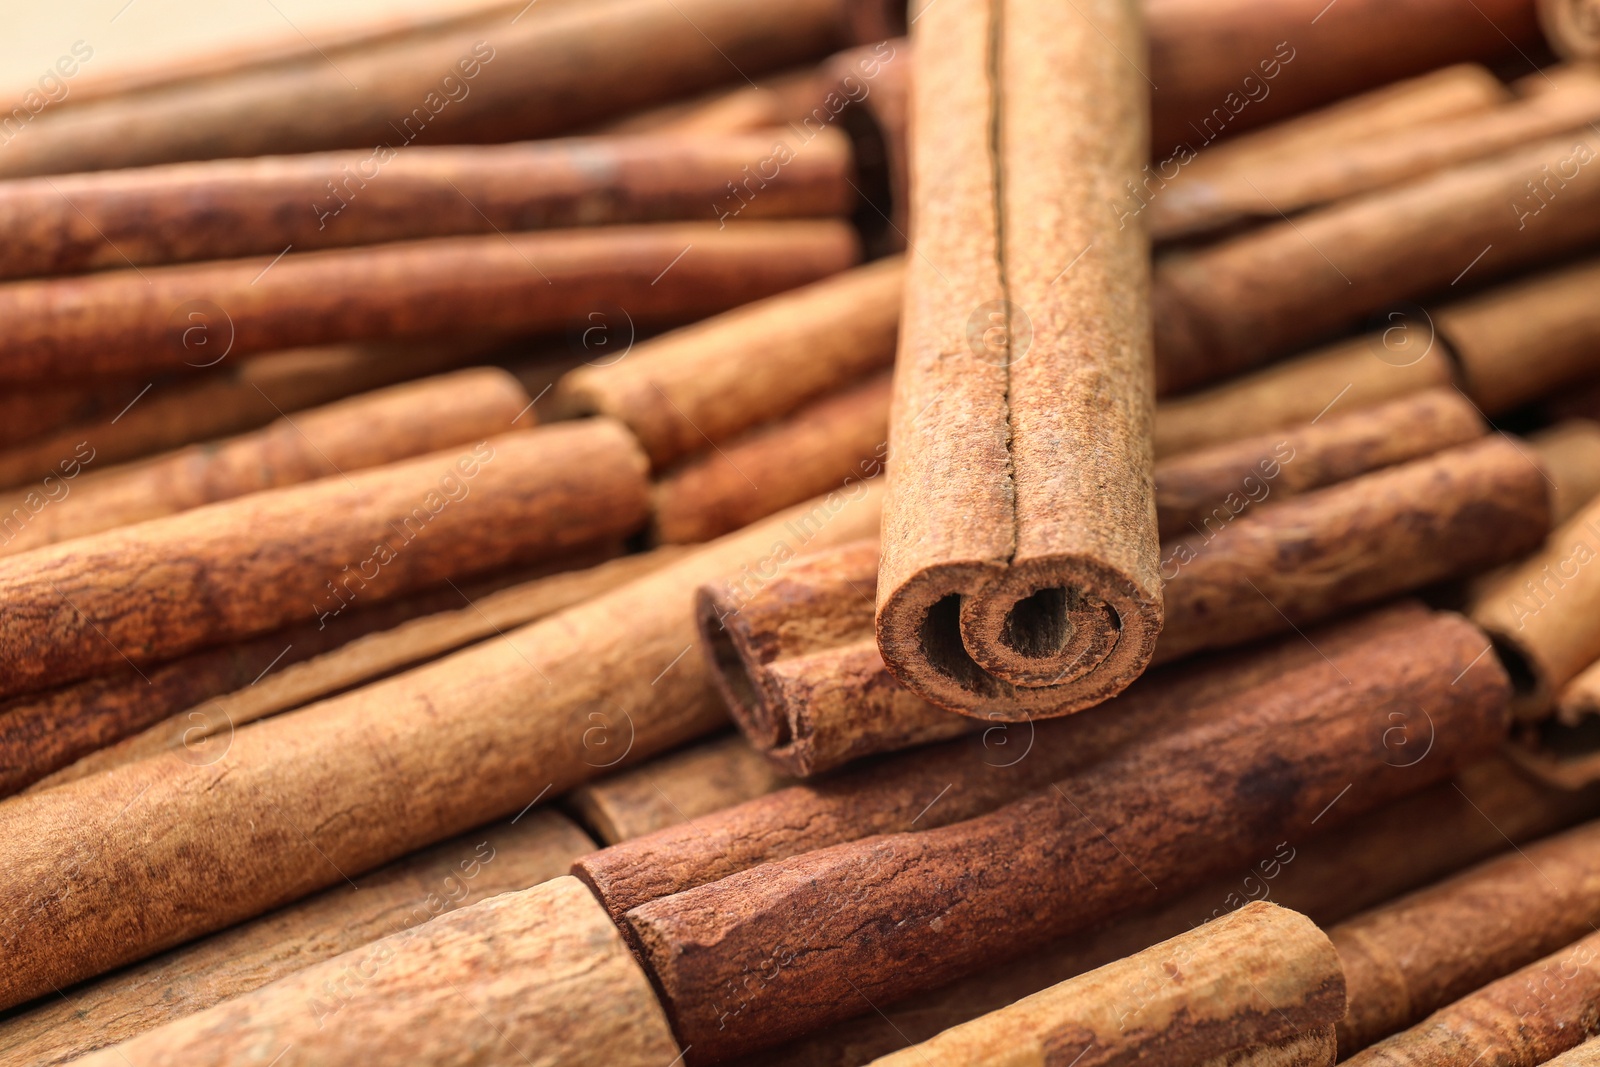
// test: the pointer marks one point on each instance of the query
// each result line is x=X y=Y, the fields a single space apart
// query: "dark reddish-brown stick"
x=1243 y=300
x=506 y=75
x=131 y=322
x=780 y=949
x=147 y=593
x=228 y=208
x=821 y=446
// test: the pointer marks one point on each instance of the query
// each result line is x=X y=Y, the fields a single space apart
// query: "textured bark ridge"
x=1525 y=1018
x=147 y=593
x=782 y=948
x=1408 y=958
x=114 y=867
x=1313 y=1048
x=1372 y=859
x=190 y=979
x=510 y=77
x=1239 y=302
x=1019 y=561
x=131 y=322
x=1261 y=974
x=228 y=208
x=540 y=973
x=704 y=383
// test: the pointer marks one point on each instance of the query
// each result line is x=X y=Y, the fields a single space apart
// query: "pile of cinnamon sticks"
x=655 y=531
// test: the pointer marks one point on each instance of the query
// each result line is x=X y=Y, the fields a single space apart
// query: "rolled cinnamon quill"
x=1404 y=960
x=1026 y=586
x=697 y=386
x=1572 y=27
x=1523 y=1019
x=1261 y=974
x=232 y=208
x=819 y=446
x=146 y=593
x=394 y=899
x=541 y=970
x=1235 y=304
x=502 y=76
x=889 y=915
x=298 y=801
x=364 y=431
x=1584 y=1055
x=133 y=322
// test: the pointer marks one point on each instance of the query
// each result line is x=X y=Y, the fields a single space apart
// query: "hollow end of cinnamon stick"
x=1572 y=27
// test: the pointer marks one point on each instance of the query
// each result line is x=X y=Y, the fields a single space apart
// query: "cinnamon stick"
x=1243 y=300
x=233 y=208
x=1218 y=71
x=1407 y=959
x=146 y=593
x=300 y=799
x=368 y=430
x=1571 y=27
x=1523 y=1019
x=129 y=422
x=704 y=383
x=773 y=466
x=1027 y=586
x=541 y=970
x=1232 y=773
x=1290 y=462
x=498 y=77
x=393 y=899
x=673 y=789
x=420 y=637
x=1579 y=1056
x=1214 y=197
x=132 y=322
x=1261 y=974
x=1314 y=1048
x=1569 y=452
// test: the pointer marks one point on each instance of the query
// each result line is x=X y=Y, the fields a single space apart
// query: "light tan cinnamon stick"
x=541 y=972
x=816 y=447
x=1261 y=974
x=674 y=788
x=299 y=800
x=703 y=384
x=1027 y=585
x=233 y=208
x=503 y=76
x=147 y=593
x=362 y=660
x=391 y=900
x=132 y=322
x=365 y=431
x=1241 y=301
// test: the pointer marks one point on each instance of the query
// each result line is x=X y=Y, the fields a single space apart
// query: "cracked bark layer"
x=537 y=973
x=111 y=868
x=159 y=589
x=1019 y=569
x=536 y=76
x=773 y=951
x=1259 y=975
x=131 y=322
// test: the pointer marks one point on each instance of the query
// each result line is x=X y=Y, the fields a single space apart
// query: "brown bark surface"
x=840 y=437
x=231 y=208
x=672 y=789
x=1262 y=974
x=1314 y=1048
x=114 y=867
x=694 y=387
x=1025 y=584
x=147 y=593
x=497 y=78
x=1241 y=301
x=451 y=875
x=132 y=322
x=364 y=431
x=779 y=949
x=541 y=972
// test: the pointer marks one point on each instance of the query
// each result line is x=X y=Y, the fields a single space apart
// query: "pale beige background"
x=145 y=35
